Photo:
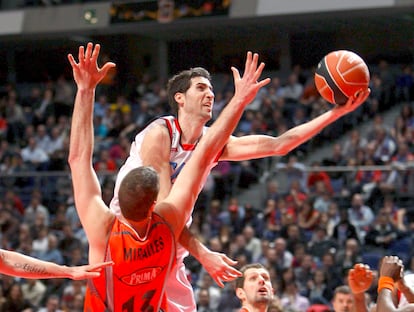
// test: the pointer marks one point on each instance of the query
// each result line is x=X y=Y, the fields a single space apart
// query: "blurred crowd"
x=311 y=226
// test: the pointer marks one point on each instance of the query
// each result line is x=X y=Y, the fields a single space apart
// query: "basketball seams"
x=339 y=77
x=335 y=74
x=336 y=95
x=326 y=88
x=344 y=74
x=332 y=67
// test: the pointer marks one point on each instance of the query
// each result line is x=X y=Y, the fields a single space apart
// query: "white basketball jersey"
x=179 y=155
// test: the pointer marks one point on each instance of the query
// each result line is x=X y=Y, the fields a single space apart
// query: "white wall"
x=271 y=7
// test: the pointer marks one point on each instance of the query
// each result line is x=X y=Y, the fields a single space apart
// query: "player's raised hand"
x=86 y=72
x=393 y=267
x=360 y=278
x=246 y=87
x=220 y=267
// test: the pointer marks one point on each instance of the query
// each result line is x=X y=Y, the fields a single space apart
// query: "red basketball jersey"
x=136 y=281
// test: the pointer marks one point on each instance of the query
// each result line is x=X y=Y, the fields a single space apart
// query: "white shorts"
x=180 y=295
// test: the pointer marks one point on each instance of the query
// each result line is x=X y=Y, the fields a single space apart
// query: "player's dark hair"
x=240 y=280
x=181 y=82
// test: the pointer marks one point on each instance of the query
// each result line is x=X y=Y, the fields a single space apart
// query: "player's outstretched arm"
x=15 y=264
x=258 y=146
x=93 y=213
x=218 y=265
x=188 y=184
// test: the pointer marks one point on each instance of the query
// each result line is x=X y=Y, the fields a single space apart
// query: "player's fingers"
x=218 y=281
x=106 y=67
x=93 y=274
x=71 y=60
x=95 y=52
x=236 y=74
x=264 y=82
x=88 y=53
x=362 y=96
x=253 y=63
x=99 y=266
x=248 y=61
x=81 y=56
x=228 y=260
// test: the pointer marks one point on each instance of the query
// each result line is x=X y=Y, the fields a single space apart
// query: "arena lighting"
x=90 y=16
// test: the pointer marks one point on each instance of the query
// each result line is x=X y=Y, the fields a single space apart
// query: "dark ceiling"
x=222 y=27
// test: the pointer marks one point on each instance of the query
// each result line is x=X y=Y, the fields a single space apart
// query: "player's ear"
x=240 y=293
x=178 y=97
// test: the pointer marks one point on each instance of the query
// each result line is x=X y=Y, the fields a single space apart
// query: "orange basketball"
x=341 y=74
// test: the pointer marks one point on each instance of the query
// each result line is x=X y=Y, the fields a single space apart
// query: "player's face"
x=342 y=302
x=257 y=286
x=199 y=98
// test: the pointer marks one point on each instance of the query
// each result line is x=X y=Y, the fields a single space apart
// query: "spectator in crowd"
x=253 y=217
x=316 y=176
x=308 y=217
x=276 y=217
x=14 y=114
x=337 y=159
x=232 y=217
x=291 y=298
x=71 y=291
x=40 y=242
x=34 y=156
x=321 y=243
x=283 y=257
x=383 y=233
x=293 y=235
x=334 y=274
x=347 y=257
x=15 y=300
x=69 y=242
x=42 y=137
x=397 y=213
x=319 y=292
x=203 y=301
x=253 y=243
x=52 y=304
x=360 y=215
x=45 y=109
x=295 y=172
x=304 y=272
x=33 y=291
x=77 y=303
x=344 y=229
x=53 y=253
x=214 y=292
x=36 y=206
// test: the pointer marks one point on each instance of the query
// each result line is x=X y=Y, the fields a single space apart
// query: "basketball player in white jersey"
x=167 y=143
